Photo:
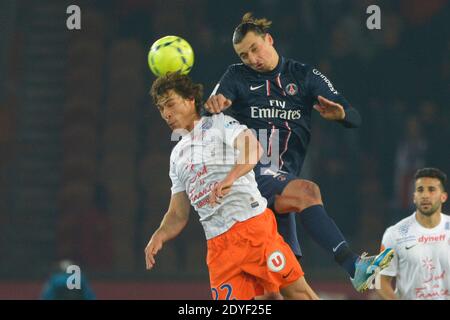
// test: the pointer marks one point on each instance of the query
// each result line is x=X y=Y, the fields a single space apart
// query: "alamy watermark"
x=374 y=20
x=73 y=21
x=74 y=280
x=209 y=145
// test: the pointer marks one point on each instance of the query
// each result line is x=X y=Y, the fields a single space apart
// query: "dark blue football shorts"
x=272 y=182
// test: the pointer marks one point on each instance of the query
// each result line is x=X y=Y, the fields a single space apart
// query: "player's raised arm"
x=250 y=151
x=331 y=104
x=216 y=103
x=173 y=222
x=224 y=93
x=329 y=110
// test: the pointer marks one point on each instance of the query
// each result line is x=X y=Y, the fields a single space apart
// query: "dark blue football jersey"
x=282 y=99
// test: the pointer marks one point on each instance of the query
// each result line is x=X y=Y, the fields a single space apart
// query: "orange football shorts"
x=250 y=258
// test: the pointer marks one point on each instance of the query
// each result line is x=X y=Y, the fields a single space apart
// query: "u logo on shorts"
x=276 y=261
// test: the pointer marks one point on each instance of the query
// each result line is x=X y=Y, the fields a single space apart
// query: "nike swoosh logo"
x=337 y=247
x=284 y=277
x=254 y=88
x=409 y=247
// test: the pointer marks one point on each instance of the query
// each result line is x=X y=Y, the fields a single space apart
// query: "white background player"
x=421 y=265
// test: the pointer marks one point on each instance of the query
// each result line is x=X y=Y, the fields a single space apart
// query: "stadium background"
x=84 y=154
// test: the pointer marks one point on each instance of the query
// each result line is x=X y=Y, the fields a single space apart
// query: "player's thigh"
x=227 y=279
x=272 y=183
x=297 y=195
x=279 y=266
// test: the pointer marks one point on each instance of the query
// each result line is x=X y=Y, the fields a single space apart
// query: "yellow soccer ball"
x=170 y=54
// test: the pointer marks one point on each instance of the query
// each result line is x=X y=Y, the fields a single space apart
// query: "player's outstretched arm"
x=334 y=111
x=250 y=151
x=172 y=224
x=217 y=103
x=329 y=110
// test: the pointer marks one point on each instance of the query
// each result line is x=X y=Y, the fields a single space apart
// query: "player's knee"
x=310 y=190
x=308 y=194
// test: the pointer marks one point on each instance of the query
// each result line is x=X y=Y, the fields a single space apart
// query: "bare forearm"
x=238 y=171
x=250 y=151
x=171 y=226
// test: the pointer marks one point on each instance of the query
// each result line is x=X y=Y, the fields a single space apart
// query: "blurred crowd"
x=114 y=186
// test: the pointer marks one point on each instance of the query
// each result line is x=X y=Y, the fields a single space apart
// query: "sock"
x=347 y=259
x=326 y=233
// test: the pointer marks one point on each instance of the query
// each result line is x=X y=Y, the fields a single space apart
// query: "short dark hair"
x=181 y=84
x=248 y=23
x=432 y=173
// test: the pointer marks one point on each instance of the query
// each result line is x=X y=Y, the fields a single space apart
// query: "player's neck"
x=429 y=222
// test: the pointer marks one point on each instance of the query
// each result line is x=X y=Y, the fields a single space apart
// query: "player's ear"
x=191 y=101
x=444 y=197
x=268 y=38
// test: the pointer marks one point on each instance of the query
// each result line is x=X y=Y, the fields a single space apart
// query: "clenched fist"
x=217 y=103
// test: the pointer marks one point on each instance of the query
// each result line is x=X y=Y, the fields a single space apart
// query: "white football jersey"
x=201 y=159
x=421 y=264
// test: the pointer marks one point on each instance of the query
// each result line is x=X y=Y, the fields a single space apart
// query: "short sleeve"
x=230 y=128
x=177 y=186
